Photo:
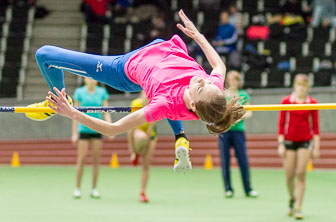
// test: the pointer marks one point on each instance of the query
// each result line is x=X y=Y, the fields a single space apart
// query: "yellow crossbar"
x=277 y=107
x=316 y=106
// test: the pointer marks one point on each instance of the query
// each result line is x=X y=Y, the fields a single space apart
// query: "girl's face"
x=233 y=81
x=301 y=88
x=90 y=82
x=202 y=89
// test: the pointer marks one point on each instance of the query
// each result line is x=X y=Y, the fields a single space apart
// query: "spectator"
x=124 y=3
x=235 y=137
x=227 y=36
x=160 y=29
x=324 y=12
x=291 y=7
x=88 y=95
x=120 y=7
x=164 y=6
x=292 y=13
x=236 y=18
x=138 y=14
x=142 y=141
x=296 y=130
x=209 y=5
x=40 y=10
x=95 y=10
x=289 y=13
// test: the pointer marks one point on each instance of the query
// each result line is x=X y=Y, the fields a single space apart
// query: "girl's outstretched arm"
x=63 y=108
x=191 y=31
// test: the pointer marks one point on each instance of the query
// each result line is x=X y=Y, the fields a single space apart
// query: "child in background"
x=236 y=138
x=88 y=95
x=142 y=142
x=298 y=139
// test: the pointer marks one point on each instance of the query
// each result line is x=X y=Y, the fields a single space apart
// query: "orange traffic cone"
x=114 y=161
x=15 y=160
x=208 y=162
x=310 y=166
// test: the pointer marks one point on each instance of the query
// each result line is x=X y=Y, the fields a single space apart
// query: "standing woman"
x=296 y=131
x=83 y=137
x=235 y=138
x=142 y=142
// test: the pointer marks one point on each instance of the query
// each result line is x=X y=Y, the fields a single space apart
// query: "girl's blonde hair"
x=219 y=114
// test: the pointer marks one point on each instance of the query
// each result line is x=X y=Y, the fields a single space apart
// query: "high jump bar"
x=127 y=109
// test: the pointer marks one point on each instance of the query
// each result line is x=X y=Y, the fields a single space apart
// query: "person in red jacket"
x=298 y=140
x=95 y=10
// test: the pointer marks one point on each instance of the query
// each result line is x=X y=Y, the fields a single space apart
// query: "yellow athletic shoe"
x=43 y=116
x=182 y=161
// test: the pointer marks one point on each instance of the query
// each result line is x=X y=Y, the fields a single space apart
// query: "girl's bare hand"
x=190 y=29
x=60 y=102
x=316 y=154
x=74 y=139
x=281 y=150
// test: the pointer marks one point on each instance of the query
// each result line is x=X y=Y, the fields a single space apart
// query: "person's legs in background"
x=224 y=143
x=82 y=150
x=303 y=155
x=146 y=162
x=239 y=144
x=141 y=141
x=96 y=146
x=289 y=163
x=144 y=146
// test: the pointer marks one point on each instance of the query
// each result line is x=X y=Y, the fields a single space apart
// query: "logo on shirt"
x=99 y=67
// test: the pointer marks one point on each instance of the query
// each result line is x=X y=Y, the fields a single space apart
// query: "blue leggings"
x=109 y=70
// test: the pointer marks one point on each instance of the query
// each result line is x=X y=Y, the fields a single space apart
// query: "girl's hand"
x=74 y=139
x=281 y=150
x=315 y=154
x=218 y=43
x=190 y=30
x=61 y=103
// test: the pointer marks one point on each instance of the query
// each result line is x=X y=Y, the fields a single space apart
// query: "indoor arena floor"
x=44 y=194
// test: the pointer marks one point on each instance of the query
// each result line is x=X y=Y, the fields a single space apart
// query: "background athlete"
x=84 y=138
x=142 y=142
x=298 y=140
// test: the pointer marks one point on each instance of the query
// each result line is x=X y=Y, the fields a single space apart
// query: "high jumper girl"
x=177 y=87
